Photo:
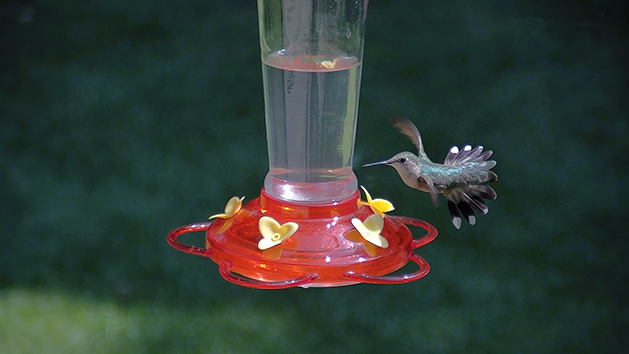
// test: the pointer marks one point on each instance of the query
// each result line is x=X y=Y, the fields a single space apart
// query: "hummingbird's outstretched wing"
x=409 y=129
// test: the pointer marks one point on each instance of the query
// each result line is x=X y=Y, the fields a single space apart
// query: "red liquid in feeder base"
x=325 y=251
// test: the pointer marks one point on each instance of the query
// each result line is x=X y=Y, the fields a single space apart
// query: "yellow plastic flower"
x=379 y=206
x=232 y=208
x=370 y=229
x=329 y=64
x=273 y=233
x=370 y=248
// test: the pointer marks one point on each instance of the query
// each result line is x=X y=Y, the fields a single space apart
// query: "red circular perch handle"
x=173 y=235
x=227 y=274
x=430 y=235
x=225 y=266
x=424 y=267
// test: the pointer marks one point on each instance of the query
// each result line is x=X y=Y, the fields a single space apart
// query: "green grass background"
x=122 y=120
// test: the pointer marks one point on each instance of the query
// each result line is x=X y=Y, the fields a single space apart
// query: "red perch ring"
x=325 y=251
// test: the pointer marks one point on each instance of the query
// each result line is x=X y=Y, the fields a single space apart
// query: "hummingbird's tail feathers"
x=463 y=201
x=473 y=163
x=459 y=157
x=484 y=192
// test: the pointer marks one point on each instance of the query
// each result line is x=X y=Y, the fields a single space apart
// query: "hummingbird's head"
x=407 y=166
x=399 y=161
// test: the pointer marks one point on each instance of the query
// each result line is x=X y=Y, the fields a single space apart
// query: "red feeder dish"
x=325 y=251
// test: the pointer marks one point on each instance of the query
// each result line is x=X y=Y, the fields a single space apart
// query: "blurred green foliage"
x=123 y=120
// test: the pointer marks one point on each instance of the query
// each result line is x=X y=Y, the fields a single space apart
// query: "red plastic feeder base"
x=325 y=251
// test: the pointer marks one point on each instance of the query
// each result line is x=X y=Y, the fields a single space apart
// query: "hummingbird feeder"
x=310 y=227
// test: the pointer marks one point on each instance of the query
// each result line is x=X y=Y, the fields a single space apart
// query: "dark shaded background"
x=122 y=120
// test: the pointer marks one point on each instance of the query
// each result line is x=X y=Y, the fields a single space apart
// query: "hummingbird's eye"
x=403 y=159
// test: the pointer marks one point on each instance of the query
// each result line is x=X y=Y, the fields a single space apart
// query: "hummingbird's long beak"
x=376 y=164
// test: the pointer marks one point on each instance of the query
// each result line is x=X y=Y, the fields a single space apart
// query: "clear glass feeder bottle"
x=312 y=54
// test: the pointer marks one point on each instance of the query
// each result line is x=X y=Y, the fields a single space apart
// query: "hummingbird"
x=462 y=178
